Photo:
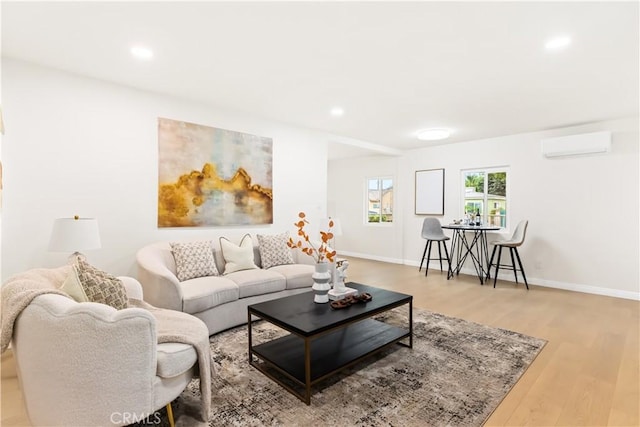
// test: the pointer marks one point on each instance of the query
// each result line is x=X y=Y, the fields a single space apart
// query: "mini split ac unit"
x=573 y=145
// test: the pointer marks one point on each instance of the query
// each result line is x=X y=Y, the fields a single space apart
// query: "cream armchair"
x=87 y=364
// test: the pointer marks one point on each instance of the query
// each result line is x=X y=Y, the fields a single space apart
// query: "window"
x=485 y=192
x=379 y=200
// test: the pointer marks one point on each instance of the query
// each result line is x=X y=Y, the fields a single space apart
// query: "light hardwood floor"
x=587 y=374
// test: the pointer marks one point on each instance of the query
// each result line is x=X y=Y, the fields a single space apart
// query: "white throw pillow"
x=236 y=257
x=194 y=259
x=73 y=287
x=274 y=250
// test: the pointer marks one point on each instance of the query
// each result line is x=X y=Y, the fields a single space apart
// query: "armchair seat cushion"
x=203 y=293
x=175 y=359
x=258 y=282
x=296 y=275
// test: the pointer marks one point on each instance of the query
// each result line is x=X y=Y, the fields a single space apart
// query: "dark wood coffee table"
x=322 y=340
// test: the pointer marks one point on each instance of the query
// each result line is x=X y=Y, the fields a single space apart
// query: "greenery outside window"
x=379 y=207
x=485 y=192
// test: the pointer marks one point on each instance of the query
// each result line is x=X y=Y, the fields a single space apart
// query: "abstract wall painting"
x=212 y=177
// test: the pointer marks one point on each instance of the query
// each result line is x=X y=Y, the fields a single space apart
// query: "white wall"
x=582 y=211
x=347 y=201
x=75 y=145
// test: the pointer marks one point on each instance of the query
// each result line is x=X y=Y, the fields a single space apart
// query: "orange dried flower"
x=322 y=252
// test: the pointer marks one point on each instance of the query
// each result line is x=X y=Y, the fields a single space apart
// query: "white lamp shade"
x=71 y=234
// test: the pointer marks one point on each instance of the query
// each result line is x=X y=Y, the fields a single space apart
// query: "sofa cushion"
x=237 y=257
x=258 y=282
x=174 y=359
x=202 y=293
x=100 y=286
x=193 y=259
x=296 y=275
x=274 y=250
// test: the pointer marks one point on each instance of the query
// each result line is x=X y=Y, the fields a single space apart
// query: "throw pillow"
x=237 y=257
x=274 y=250
x=194 y=259
x=100 y=286
x=73 y=287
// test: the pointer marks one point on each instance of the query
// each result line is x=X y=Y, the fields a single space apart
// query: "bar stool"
x=516 y=240
x=432 y=231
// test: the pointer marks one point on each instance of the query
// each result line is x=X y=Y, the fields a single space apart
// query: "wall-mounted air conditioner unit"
x=573 y=145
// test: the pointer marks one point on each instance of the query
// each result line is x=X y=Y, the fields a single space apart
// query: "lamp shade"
x=74 y=234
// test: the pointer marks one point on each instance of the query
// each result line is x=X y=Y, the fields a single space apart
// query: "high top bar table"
x=475 y=248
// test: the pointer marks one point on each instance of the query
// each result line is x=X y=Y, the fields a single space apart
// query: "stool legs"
x=513 y=264
x=446 y=253
x=426 y=269
x=493 y=254
x=423 y=254
x=521 y=269
x=426 y=254
x=495 y=275
x=512 y=250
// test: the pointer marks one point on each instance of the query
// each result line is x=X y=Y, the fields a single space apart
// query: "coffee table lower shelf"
x=307 y=361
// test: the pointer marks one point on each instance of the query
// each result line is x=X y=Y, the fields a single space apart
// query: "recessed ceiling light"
x=433 y=134
x=557 y=43
x=142 y=52
x=337 y=111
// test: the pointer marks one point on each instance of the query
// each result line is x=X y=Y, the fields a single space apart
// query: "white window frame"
x=485 y=213
x=366 y=201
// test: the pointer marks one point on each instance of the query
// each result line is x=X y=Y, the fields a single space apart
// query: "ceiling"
x=479 y=68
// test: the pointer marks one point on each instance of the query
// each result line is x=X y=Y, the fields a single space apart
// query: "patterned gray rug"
x=457 y=373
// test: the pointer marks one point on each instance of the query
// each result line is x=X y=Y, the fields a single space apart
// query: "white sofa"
x=90 y=364
x=219 y=301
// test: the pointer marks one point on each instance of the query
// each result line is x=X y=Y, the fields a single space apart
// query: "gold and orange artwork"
x=212 y=177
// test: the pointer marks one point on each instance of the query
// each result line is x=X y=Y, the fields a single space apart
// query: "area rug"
x=457 y=373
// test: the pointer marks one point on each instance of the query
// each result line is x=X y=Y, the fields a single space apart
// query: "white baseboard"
x=587 y=289
x=575 y=287
x=373 y=257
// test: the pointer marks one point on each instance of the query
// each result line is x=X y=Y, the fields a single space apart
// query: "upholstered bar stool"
x=432 y=232
x=516 y=240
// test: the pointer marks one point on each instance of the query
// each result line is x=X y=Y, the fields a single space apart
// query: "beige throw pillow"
x=73 y=287
x=274 y=250
x=194 y=259
x=237 y=257
x=100 y=286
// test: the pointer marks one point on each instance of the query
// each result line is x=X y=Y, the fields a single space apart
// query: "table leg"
x=307 y=370
x=453 y=253
x=462 y=245
x=485 y=249
x=477 y=257
x=411 y=323
x=250 y=338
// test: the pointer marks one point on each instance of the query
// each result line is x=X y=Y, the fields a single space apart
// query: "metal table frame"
x=476 y=248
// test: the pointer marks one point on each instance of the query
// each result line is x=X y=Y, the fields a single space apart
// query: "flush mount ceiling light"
x=433 y=134
x=557 y=43
x=337 y=111
x=142 y=52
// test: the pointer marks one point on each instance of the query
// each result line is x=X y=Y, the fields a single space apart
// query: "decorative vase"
x=321 y=286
